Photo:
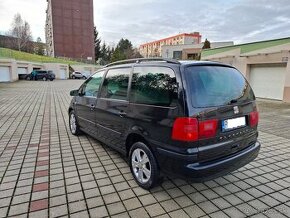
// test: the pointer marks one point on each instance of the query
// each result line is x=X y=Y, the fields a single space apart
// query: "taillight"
x=207 y=129
x=185 y=129
x=254 y=118
x=190 y=129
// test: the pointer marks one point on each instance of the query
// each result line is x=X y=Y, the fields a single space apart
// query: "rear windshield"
x=212 y=86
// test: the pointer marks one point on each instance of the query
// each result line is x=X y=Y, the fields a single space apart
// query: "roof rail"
x=139 y=60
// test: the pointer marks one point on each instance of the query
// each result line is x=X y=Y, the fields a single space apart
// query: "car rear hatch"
x=224 y=106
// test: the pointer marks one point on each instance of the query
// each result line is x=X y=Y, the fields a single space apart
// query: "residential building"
x=70 y=29
x=188 y=51
x=265 y=64
x=153 y=49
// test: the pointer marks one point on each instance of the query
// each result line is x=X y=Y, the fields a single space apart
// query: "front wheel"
x=44 y=79
x=143 y=166
x=73 y=124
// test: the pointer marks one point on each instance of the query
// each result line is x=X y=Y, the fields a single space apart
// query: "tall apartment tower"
x=70 y=29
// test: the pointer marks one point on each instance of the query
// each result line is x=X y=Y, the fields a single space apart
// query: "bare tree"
x=20 y=30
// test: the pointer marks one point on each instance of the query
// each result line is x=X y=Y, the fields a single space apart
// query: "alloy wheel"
x=141 y=165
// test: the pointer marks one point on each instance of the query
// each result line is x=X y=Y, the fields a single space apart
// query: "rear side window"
x=115 y=85
x=212 y=86
x=154 y=86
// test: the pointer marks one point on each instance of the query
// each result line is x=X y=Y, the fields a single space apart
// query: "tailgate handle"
x=122 y=113
x=92 y=107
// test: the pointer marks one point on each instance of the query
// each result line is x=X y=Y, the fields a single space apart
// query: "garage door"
x=268 y=81
x=22 y=70
x=4 y=74
x=62 y=74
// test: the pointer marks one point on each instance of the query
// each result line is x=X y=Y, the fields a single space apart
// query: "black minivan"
x=197 y=120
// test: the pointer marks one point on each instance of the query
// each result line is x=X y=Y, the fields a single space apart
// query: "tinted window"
x=115 y=85
x=216 y=85
x=91 y=87
x=154 y=86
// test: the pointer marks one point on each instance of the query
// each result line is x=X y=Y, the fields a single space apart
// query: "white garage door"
x=268 y=81
x=4 y=74
x=62 y=74
x=22 y=70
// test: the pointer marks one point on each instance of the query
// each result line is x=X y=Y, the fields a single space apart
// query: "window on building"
x=115 y=85
x=193 y=56
x=154 y=86
x=177 y=55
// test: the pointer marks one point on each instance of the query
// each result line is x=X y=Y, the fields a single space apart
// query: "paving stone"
x=132 y=203
x=178 y=214
x=98 y=212
x=147 y=199
x=115 y=208
x=141 y=212
x=66 y=175
x=40 y=213
x=95 y=202
x=77 y=206
x=194 y=211
x=154 y=210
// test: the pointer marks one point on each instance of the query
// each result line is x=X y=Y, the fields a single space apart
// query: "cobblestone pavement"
x=47 y=172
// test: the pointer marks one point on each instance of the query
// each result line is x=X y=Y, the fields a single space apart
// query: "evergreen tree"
x=97 y=42
x=206 y=44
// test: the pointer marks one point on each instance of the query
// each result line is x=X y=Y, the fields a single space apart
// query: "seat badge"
x=236 y=110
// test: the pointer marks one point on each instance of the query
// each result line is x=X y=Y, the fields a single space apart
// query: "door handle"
x=122 y=113
x=92 y=107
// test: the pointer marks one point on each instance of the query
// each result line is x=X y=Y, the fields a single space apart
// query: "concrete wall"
x=57 y=68
x=270 y=56
x=85 y=68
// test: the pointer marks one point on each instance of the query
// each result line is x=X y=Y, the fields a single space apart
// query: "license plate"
x=234 y=123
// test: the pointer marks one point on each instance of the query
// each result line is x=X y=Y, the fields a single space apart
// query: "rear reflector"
x=190 y=129
x=254 y=118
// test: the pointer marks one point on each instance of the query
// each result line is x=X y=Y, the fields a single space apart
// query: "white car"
x=78 y=75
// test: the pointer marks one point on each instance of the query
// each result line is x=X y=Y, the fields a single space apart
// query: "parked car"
x=41 y=75
x=78 y=75
x=196 y=120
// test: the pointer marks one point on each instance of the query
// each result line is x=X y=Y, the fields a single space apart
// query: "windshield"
x=212 y=86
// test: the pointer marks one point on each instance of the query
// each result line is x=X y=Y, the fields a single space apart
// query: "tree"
x=206 y=44
x=39 y=48
x=105 y=54
x=124 y=50
x=97 y=42
x=20 y=30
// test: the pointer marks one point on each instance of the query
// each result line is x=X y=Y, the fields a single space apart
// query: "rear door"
x=221 y=93
x=85 y=103
x=112 y=107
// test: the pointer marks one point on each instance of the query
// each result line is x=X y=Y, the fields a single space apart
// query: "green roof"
x=23 y=56
x=248 y=47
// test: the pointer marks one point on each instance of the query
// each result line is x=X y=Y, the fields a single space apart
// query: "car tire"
x=84 y=77
x=73 y=124
x=28 y=78
x=144 y=166
x=51 y=79
x=44 y=79
x=73 y=77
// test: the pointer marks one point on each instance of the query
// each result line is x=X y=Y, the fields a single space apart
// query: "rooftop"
x=247 y=47
x=195 y=34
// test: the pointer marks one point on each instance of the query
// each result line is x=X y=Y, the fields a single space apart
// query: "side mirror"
x=74 y=92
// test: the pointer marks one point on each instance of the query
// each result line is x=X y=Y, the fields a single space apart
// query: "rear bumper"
x=186 y=167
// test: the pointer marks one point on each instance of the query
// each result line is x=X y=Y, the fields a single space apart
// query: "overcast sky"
x=145 y=20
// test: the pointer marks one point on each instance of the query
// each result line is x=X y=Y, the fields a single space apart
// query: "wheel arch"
x=133 y=138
